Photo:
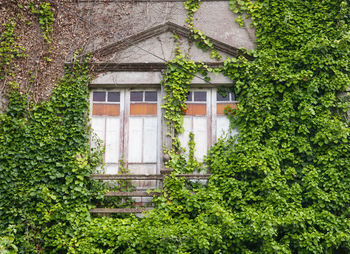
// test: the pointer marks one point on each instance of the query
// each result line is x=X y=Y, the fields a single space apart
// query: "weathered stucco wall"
x=162 y=46
x=214 y=18
x=132 y=79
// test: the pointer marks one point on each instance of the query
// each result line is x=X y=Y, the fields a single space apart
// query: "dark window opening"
x=114 y=96
x=223 y=96
x=150 y=96
x=99 y=96
x=136 y=96
x=189 y=96
x=200 y=96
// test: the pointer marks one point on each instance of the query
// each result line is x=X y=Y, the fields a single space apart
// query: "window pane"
x=114 y=96
x=220 y=97
x=99 y=96
x=189 y=96
x=136 y=96
x=200 y=96
x=151 y=96
x=233 y=97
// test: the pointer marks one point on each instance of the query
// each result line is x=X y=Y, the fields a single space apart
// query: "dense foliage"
x=283 y=186
x=45 y=164
x=287 y=178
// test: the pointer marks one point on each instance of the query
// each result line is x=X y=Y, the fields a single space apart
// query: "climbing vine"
x=176 y=83
x=9 y=50
x=46 y=163
x=282 y=186
x=201 y=40
x=290 y=163
x=46 y=18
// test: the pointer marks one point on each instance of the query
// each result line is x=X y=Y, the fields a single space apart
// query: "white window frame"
x=124 y=116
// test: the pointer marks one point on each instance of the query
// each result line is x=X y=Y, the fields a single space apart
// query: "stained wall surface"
x=122 y=19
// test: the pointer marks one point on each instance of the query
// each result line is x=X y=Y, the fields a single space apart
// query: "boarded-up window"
x=106 y=124
x=225 y=102
x=142 y=147
x=196 y=119
x=128 y=123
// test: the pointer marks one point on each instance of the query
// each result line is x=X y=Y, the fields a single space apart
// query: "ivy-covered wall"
x=281 y=187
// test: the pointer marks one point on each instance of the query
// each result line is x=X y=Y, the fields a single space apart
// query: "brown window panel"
x=106 y=110
x=196 y=109
x=220 y=108
x=143 y=109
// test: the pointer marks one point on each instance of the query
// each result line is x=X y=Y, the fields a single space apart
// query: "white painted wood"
x=135 y=139
x=223 y=128
x=223 y=125
x=111 y=168
x=150 y=139
x=159 y=132
x=200 y=131
x=213 y=116
x=139 y=168
x=125 y=127
x=112 y=139
x=122 y=134
x=197 y=125
x=183 y=137
x=209 y=119
x=98 y=129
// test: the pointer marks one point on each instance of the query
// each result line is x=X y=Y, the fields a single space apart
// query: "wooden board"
x=112 y=140
x=220 y=107
x=143 y=109
x=105 y=110
x=120 y=210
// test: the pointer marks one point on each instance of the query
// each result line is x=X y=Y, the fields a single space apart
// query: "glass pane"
x=189 y=96
x=136 y=96
x=223 y=96
x=233 y=97
x=99 y=96
x=200 y=96
x=151 y=96
x=114 y=96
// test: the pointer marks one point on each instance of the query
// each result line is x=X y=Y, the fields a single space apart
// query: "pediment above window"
x=157 y=46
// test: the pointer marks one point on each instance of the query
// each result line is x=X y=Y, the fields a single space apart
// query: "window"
x=142 y=147
x=205 y=118
x=129 y=124
x=106 y=124
x=224 y=99
x=197 y=119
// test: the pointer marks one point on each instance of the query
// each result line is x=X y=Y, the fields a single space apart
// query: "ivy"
x=290 y=164
x=46 y=18
x=281 y=186
x=201 y=40
x=176 y=83
x=9 y=49
x=46 y=163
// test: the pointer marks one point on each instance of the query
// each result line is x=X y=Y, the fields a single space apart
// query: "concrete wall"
x=147 y=79
x=214 y=18
x=162 y=46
